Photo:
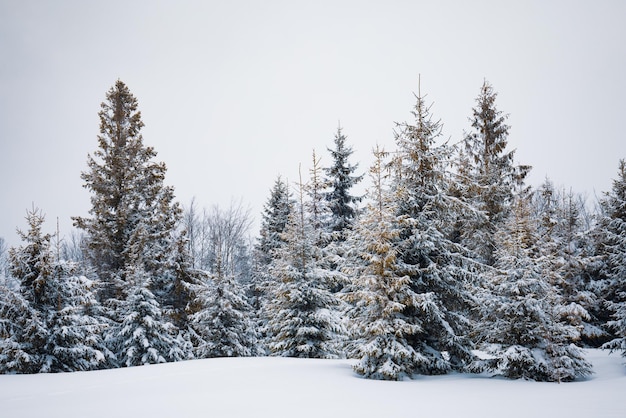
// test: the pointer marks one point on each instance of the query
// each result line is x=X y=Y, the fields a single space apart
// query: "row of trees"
x=448 y=251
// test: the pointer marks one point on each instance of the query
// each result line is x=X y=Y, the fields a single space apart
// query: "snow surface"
x=288 y=387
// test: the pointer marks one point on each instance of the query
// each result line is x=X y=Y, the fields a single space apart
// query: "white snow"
x=287 y=387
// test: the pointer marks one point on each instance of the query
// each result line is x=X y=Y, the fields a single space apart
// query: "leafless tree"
x=219 y=239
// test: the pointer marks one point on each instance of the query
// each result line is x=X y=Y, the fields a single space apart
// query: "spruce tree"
x=47 y=320
x=301 y=319
x=341 y=179
x=274 y=221
x=613 y=248
x=22 y=334
x=380 y=293
x=521 y=324
x=488 y=173
x=223 y=326
x=440 y=271
x=128 y=193
x=563 y=245
x=275 y=218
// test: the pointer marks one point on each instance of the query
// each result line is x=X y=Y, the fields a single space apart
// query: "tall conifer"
x=128 y=195
x=491 y=178
x=440 y=271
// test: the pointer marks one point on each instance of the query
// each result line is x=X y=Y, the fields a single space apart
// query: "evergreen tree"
x=521 y=322
x=47 y=323
x=613 y=248
x=144 y=336
x=381 y=293
x=223 y=327
x=440 y=271
x=316 y=206
x=563 y=249
x=274 y=221
x=341 y=179
x=128 y=195
x=22 y=334
x=75 y=340
x=488 y=172
x=301 y=321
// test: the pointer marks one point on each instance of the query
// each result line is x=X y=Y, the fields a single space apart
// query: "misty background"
x=234 y=93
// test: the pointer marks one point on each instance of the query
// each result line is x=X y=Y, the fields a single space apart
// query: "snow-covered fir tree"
x=134 y=218
x=141 y=333
x=128 y=193
x=612 y=226
x=301 y=319
x=273 y=221
x=144 y=336
x=488 y=174
x=75 y=340
x=223 y=326
x=316 y=205
x=47 y=320
x=341 y=179
x=563 y=248
x=23 y=334
x=380 y=293
x=440 y=271
x=521 y=325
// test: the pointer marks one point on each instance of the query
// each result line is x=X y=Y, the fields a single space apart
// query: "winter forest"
x=449 y=262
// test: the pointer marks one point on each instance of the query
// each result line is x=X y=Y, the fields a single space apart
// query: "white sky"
x=233 y=93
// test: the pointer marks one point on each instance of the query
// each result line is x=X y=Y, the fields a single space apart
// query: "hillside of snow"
x=287 y=387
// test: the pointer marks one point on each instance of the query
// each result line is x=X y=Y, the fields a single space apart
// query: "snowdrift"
x=286 y=387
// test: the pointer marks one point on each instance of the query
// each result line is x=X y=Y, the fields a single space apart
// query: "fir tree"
x=440 y=271
x=274 y=221
x=341 y=179
x=613 y=248
x=75 y=340
x=381 y=293
x=144 y=336
x=223 y=326
x=128 y=194
x=521 y=322
x=22 y=334
x=563 y=249
x=488 y=172
x=48 y=325
x=301 y=319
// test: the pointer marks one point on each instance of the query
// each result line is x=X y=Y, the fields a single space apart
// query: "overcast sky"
x=233 y=93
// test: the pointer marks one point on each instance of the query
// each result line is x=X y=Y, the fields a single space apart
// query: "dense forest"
x=449 y=262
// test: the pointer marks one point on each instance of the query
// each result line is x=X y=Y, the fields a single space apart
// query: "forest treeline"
x=448 y=263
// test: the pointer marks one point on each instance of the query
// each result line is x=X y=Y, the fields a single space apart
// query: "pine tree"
x=128 y=194
x=562 y=247
x=301 y=319
x=132 y=228
x=489 y=173
x=341 y=179
x=47 y=323
x=381 y=293
x=22 y=334
x=274 y=221
x=75 y=341
x=613 y=248
x=521 y=323
x=144 y=336
x=440 y=271
x=223 y=326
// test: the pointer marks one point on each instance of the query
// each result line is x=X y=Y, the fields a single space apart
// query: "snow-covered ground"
x=285 y=387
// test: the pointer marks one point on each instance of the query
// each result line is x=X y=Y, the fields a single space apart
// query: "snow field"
x=287 y=387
